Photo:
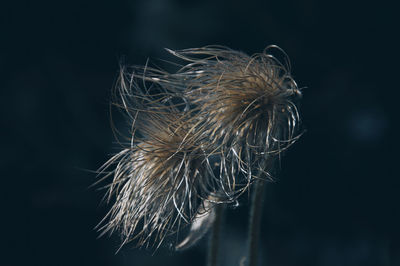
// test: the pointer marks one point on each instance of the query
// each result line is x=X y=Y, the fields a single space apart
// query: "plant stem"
x=213 y=246
x=255 y=222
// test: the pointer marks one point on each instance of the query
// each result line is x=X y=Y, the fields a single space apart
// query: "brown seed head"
x=211 y=128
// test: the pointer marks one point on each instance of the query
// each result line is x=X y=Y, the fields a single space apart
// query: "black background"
x=335 y=201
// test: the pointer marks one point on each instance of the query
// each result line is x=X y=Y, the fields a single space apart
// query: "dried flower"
x=205 y=132
x=160 y=179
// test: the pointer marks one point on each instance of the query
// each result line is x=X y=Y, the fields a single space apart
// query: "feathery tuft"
x=161 y=177
x=206 y=131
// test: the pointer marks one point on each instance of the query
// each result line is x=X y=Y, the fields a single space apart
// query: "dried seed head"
x=160 y=178
x=247 y=104
x=211 y=128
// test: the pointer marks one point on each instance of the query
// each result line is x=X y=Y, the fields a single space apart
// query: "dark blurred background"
x=335 y=201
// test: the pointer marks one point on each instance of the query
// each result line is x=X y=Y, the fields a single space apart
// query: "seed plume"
x=160 y=177
x=206 y=131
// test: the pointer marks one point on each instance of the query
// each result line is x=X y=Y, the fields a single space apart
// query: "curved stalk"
x=255 y=222
x=213 y=246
